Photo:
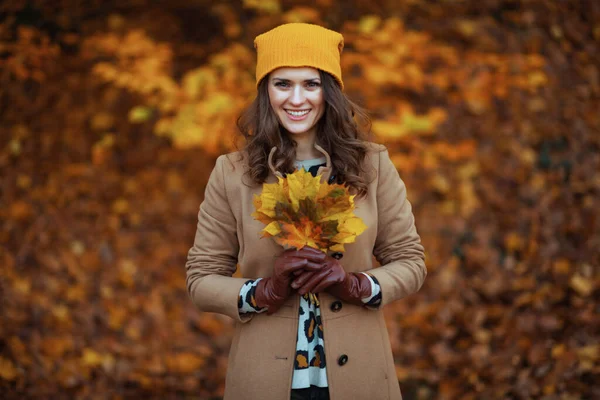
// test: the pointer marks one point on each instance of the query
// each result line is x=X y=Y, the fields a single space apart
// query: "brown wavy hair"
x=342 y=131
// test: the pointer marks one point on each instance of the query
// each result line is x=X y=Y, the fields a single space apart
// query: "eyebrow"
x=289 y=80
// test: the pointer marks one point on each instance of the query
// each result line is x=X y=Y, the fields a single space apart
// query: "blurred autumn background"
x=113 y=113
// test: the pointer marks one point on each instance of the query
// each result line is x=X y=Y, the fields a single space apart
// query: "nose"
x=297 y=97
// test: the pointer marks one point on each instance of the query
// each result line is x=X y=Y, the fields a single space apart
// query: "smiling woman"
x=309 y=324
x=297 y=71
x=297 y=99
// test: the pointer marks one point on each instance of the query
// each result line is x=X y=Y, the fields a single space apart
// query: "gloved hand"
x=272 y=292
x=351 y=287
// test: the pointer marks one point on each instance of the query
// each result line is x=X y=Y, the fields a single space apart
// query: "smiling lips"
x=297 y=115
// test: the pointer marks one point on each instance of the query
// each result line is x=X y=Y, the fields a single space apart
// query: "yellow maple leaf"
x=349 y=230
x=259 y=216
x=333 y=200
x=338 y=248
x=272 y=194
x=272 y=229
x=336 y=211
x=302 y=185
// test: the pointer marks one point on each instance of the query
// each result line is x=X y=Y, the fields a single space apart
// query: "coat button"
x=336 y=306
x=343 y=359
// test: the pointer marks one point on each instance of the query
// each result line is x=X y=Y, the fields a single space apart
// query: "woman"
x=309 y=324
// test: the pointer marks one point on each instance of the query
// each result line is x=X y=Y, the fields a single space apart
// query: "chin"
x=297 y=130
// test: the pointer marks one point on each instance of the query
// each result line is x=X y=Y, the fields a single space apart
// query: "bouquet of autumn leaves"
x=299 y=210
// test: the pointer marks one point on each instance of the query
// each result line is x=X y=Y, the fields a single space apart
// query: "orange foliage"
x=112 y=119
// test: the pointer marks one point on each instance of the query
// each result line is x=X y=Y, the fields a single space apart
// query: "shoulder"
x=375 y=154
x=372 y=161
x=374 y=148
x=234 y=166
x=235 y=161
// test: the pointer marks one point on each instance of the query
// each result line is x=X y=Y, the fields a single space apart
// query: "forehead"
x=295 y=73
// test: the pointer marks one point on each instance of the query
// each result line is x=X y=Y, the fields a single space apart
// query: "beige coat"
x=261 y=358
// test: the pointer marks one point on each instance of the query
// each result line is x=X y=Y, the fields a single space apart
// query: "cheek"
x=318 y=104
x=276 y=99
x=316 y=99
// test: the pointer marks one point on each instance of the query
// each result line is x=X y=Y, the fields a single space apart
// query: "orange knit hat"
x=299 y=45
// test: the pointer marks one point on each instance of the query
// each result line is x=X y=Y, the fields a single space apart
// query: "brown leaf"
x=7 y=369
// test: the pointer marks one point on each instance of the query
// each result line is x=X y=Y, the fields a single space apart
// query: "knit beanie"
x=299 y=45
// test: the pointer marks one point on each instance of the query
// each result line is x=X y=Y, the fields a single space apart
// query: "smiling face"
x=296 y=96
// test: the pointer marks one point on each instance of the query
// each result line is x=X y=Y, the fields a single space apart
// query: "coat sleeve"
x=398 y=245
x=212 y=260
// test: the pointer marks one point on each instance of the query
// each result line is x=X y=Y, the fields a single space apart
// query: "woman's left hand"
x=331 y=273
x=350 y=287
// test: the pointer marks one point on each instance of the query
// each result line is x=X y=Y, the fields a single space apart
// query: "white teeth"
x=297 y=113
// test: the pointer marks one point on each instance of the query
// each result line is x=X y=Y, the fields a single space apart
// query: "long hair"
x=342 y=131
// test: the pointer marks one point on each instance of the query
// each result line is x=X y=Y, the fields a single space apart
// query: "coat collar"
x=324 y=171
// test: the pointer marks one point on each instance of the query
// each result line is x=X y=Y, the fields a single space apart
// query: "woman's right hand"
x=272 y=292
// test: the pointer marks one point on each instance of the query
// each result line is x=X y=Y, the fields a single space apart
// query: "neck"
x=305 y=147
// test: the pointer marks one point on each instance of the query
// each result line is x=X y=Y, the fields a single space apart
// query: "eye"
x=313 y=84
x=281 y=84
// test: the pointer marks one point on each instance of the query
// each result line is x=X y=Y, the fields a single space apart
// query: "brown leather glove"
x=272 y=292
x=351 y=287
